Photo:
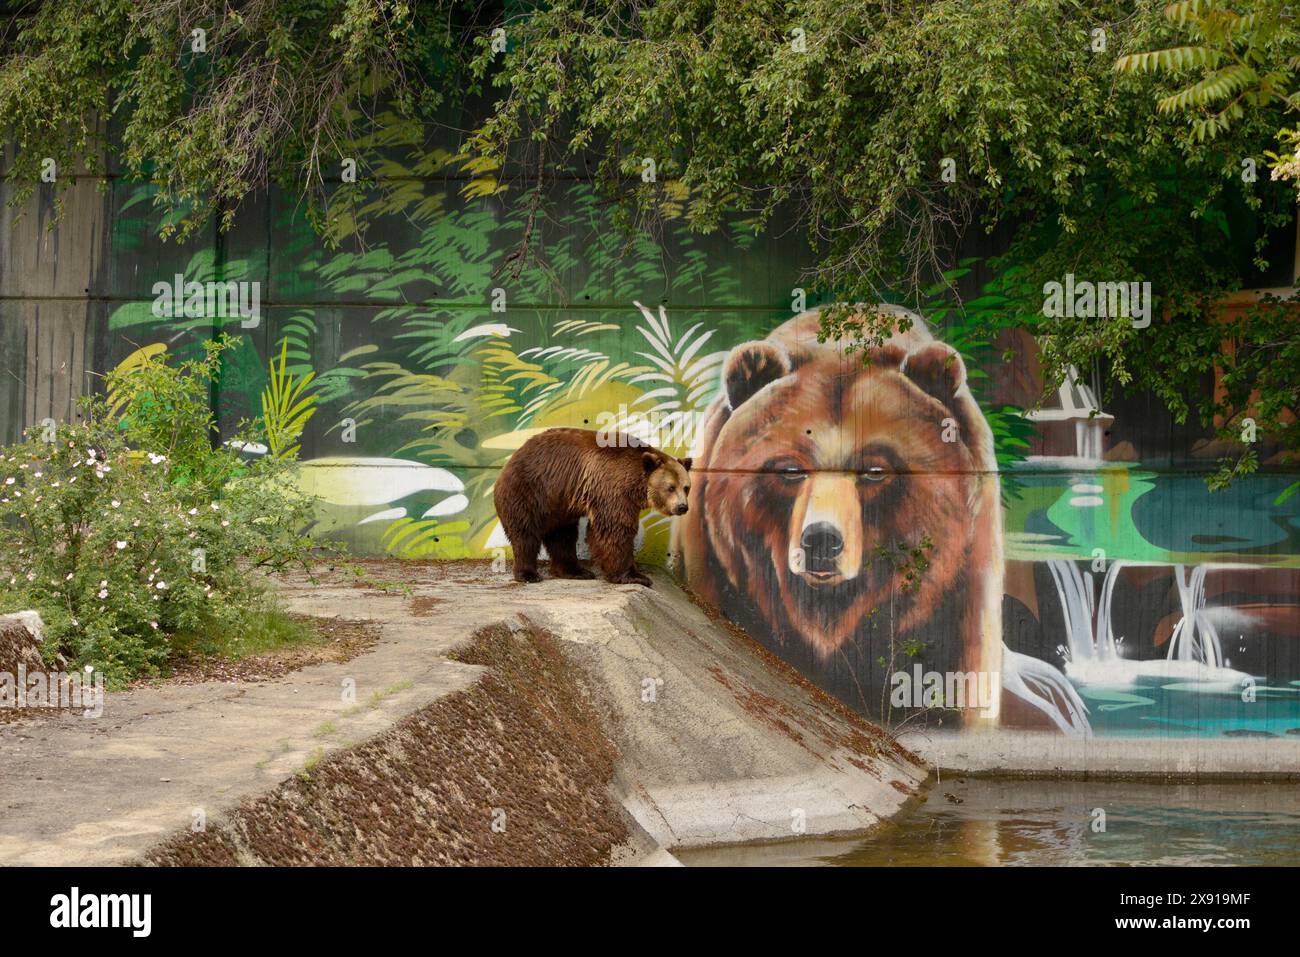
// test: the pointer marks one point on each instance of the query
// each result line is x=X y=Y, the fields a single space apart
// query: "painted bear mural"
x=819 y=479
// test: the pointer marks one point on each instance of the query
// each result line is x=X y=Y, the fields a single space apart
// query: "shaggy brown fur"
x=811 y=464
x=563 y=475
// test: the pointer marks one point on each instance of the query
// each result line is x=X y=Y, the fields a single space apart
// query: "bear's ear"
x=937 y=369
x=686 y=463
x=749 y=368
x=649 y=461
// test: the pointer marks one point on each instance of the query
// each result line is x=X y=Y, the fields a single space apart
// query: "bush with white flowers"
x=121 y=547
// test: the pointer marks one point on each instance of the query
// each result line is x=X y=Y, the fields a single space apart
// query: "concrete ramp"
x=717 y=742
x=722 y=742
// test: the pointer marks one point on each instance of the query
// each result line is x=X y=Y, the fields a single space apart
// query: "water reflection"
x=969 y=822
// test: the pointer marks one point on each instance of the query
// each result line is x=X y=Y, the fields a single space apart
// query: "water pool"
x=969 y=822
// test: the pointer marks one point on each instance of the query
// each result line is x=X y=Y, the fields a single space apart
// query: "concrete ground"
x=719 y=742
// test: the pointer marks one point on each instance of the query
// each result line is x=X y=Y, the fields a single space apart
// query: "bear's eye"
x=792 y=473
x=874 y=473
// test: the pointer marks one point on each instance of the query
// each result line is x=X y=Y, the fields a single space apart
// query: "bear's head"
x=828 y=476
x=668 y=482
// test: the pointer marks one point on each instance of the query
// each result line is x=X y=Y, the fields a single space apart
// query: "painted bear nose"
x=680 y=509
x=822 y=544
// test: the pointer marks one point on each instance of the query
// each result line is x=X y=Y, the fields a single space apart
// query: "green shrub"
x=130 y=526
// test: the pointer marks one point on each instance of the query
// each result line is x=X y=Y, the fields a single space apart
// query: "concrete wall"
x=1078 y=572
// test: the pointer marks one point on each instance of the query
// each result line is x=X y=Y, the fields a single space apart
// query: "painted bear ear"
x=686 y=463
x=937 y=369
x=749 y=368
x=649 y=461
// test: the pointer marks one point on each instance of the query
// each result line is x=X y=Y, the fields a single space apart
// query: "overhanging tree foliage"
x=212 y=101
x=884 y=130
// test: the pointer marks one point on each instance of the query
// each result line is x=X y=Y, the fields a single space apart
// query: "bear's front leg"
x=612 y=548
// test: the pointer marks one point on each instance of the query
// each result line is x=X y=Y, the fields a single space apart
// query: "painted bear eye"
x=874 y=473
x=792 y=473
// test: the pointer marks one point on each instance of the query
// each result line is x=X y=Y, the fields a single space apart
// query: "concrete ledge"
x=1037 y=755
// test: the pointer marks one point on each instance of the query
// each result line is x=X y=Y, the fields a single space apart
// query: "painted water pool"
x=981 y=822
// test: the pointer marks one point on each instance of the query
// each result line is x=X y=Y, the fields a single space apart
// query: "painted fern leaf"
x=287 y=406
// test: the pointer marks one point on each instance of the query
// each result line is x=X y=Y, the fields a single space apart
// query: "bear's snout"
x=680 y=509
x=826 y=529
x=821 y=544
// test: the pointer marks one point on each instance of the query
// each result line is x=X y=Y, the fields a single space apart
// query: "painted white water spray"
x=1087 y=620
x=1093 y=650
x=1195 y=638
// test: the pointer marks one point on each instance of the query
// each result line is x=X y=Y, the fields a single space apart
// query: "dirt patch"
x=422 y=606
x=17 y=716
x=514 y=770
x=337 y=640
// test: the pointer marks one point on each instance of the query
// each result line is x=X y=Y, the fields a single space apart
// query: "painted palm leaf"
x=287 y=407
x=683 y=378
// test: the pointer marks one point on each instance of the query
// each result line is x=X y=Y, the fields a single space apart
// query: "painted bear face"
x=831 y=473
x=668 y=483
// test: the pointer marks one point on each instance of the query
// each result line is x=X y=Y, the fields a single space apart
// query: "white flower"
x=216 y=507
x=9 y=481
x=161 y=586
x=155 y=625
x=116 y=504
x=155 y=459
x=121 y=545
x=103 y=593
x=69 y=578
x=194 y=511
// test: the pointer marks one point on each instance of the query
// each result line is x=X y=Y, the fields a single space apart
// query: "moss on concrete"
x=514 y=770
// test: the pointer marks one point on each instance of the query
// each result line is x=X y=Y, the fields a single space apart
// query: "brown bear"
x=563 y=475
x=820 y=480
